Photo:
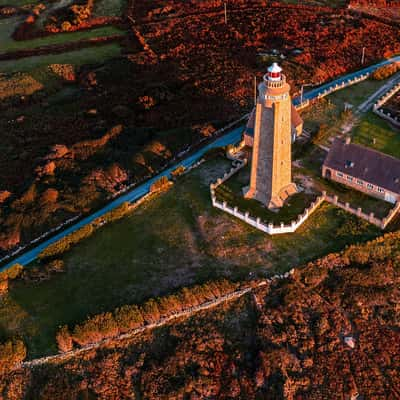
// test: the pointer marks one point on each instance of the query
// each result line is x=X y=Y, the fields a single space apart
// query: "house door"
x=328 y=174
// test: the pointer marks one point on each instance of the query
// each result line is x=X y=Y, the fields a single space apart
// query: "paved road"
x=312 y=94
x=135 y=194
x=364 y=107
x=138 y=192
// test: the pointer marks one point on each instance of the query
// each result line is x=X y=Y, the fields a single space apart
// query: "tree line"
x=128 y=317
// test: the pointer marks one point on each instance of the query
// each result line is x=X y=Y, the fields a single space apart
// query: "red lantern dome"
x=274 y=72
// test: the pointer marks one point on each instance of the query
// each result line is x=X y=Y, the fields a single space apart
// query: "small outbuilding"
x=363 y=169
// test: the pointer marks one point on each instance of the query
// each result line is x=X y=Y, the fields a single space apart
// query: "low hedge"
x=129 y=317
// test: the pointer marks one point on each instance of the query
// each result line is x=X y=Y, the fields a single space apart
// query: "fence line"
x=378 y=110
x=162 y=321
x=371 y=218
x=300 y=106
x=334 y=88
x=291 y=227
x=14 y=252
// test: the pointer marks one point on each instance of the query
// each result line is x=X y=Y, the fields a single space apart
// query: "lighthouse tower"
x=271 y=170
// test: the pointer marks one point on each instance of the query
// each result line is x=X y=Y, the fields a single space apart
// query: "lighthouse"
x=271 y=165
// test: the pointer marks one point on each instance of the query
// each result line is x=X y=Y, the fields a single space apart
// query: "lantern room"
x=274 y=72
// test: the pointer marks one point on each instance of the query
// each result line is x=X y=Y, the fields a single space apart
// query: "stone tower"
x=271 y=169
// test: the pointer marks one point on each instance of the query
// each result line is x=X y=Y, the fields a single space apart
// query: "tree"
x=64 y=339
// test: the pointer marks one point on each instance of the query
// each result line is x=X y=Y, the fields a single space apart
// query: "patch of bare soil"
x=223 y=236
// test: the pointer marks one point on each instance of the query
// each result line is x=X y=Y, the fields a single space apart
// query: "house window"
x=360 y=182
x=339 y=174
x=370 y=187
x=380 y=190
x=349 y=178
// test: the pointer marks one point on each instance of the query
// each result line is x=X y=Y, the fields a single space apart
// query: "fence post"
x=270 y=228
x=371 y=217
x=335 y=199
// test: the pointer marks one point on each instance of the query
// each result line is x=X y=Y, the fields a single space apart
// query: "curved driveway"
x=136 y=193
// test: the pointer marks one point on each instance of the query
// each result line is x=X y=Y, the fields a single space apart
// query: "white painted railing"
x=377 y=108
x=291 y=227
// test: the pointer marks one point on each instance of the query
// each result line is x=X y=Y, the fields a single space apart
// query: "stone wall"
x=380 y=223
x=377 y=109
x=344 y=84
x=333 y=88
x=291 y=227
x=266 y=227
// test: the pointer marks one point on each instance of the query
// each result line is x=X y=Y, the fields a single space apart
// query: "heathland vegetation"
x=129 y=317
x=172 y=90
x=175 y=240
x=334 y=323
x=79 y=126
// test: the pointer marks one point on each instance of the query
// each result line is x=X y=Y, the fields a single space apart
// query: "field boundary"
x=291 y=227
x=61 y=48
x=161 y=322
x=378 y=109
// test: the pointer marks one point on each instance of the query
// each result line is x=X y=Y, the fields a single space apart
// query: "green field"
x=8 y=44
x=88 y=55
x=109 y=7
x=174 y=240
x=356 y=94
x=375 y=132
x=329 y=111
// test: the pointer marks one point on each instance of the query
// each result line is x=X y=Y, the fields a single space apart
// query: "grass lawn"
x=96 y=54
x=329 y=111
x=176 y=239
x=356 y=94
x=371 y=127
x=232 y=192
x=8 y=44
x=109 y=7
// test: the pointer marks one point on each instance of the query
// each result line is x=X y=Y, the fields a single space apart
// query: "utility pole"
x=363 y=56
x=255 y=90
x=302 y=89
x=226 y=13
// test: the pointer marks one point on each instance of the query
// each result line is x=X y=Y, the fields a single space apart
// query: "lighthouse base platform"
x=271 y=202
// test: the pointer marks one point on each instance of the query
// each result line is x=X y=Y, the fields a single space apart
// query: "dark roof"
x=364 y=163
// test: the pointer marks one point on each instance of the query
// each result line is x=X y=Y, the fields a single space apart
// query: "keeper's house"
x=363 y=169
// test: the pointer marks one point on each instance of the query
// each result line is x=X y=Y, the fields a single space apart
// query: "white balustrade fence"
x=377 y=109
x=292 y=226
